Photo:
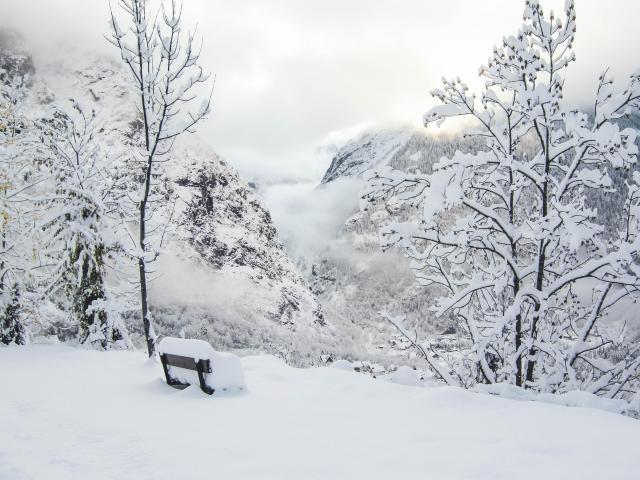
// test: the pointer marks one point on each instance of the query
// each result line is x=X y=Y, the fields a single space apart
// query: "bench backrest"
x=186 y=362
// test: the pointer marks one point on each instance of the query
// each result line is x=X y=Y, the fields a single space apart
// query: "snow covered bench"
x=213 y=370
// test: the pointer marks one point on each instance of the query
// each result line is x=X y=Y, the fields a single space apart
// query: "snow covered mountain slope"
x=223 y=274
x=115 y=418
x=401 y=147
x=232 y=231
x=370 y=149
x=14 y=58
x=353 y=279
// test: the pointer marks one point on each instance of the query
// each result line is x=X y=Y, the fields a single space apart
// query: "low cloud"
x=292 y=72
x=308 y=217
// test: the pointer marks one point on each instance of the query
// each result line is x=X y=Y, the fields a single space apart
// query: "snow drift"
x=75 y=414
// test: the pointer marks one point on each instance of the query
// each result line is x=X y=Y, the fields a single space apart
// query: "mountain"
x=226 y=276
x=223 y=274
x=15 y=59
x=403 y=148
x=354 y=280
x=372 y=148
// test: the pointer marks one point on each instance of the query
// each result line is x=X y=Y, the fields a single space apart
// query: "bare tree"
x=166 y=75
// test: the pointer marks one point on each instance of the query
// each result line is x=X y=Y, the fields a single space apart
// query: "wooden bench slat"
x=186 y=362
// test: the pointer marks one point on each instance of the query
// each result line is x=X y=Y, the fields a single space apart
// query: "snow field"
x=77 y=414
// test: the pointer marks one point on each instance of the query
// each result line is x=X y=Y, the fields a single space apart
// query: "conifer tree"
x=11 y=329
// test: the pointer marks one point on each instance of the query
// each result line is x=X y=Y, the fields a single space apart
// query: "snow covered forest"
x=455 y=299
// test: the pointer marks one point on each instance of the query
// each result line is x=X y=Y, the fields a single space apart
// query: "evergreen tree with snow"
x=12 y=330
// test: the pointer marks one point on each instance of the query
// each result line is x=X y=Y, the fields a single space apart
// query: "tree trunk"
x=545 y=142
x=146 y=322
x=518 y=340
x=149 y=337
x=4 y=245
x=516 y=281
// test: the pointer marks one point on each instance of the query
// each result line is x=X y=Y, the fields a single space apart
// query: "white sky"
x=294 y=74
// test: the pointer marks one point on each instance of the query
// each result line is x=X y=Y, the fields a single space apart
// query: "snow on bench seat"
x=226 y=370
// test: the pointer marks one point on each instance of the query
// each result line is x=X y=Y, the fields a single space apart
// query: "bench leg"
x=203 y=385
x=170 y=381
x=163 y=359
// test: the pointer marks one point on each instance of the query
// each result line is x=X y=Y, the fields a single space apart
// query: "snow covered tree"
x=11 y=329
x=507 y=235
x=19 y=173
x=166 y=76
x=79 y=238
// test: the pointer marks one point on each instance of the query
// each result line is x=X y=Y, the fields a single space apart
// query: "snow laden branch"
x=163 y=61
x=446 y=374
x=509 y=235
x=19 y=177
x=78 y=224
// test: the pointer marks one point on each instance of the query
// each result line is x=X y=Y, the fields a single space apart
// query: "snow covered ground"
x=75 y=414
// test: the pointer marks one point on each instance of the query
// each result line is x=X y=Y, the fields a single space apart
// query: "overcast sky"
x=293 y=75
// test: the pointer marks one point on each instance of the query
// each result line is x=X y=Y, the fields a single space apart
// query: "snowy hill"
x=76 y=414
